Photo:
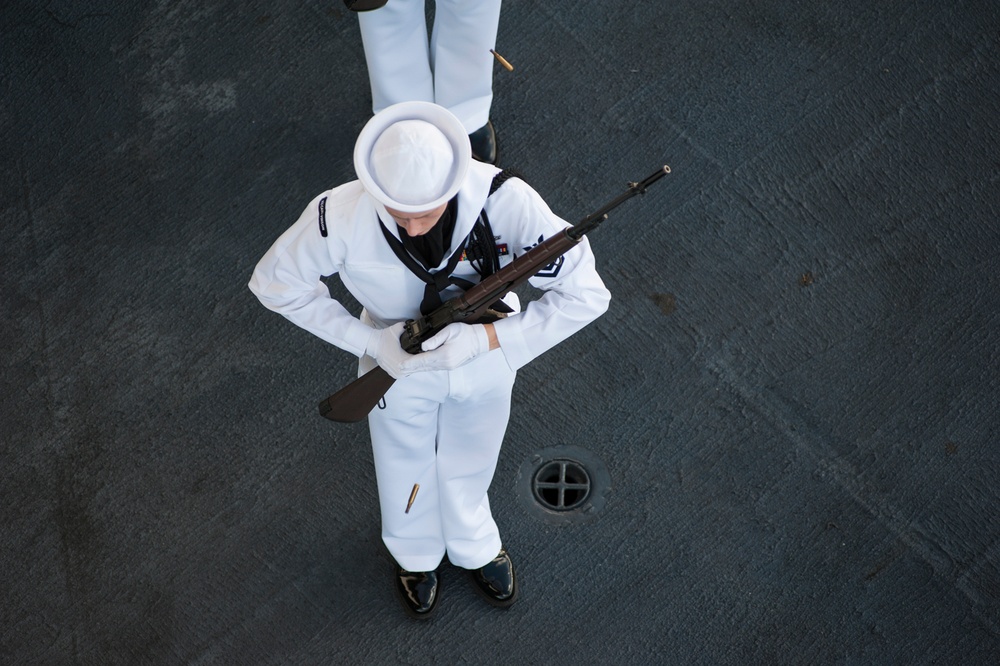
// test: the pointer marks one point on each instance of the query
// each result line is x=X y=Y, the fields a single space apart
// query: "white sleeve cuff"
x=512 y=342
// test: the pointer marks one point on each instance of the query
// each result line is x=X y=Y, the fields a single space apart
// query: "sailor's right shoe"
x=418 y=590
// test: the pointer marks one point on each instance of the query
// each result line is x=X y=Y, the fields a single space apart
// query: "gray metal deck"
x=794 y=393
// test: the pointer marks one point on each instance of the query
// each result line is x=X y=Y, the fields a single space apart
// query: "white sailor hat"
x=412 y=156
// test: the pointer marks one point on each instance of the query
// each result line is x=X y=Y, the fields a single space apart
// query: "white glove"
x=383 y=346
x=454 y=346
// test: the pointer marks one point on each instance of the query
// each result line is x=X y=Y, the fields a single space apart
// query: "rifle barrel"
x=591 y=222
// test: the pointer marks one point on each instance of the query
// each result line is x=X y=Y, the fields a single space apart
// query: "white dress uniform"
x=454 y=69
x=441 y=429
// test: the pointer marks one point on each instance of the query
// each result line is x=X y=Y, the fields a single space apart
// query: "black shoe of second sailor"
x=484 y=143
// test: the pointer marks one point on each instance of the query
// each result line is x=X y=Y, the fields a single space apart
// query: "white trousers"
x=455 y=70
x=442 y=430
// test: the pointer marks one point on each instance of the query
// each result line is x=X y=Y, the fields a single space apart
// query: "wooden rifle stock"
x=353 y=402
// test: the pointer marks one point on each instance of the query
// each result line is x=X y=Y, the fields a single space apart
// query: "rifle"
x=353 y=402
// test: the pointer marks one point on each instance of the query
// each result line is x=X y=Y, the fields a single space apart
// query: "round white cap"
x=412 y=156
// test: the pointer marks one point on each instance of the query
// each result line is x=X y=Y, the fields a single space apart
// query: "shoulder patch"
x=322 y=217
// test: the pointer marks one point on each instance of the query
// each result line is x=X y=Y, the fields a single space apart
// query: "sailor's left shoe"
x=496 y=581
x=484 y=144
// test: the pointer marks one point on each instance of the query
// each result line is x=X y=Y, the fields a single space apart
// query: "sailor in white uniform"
x=442 y=423
x=453 y=69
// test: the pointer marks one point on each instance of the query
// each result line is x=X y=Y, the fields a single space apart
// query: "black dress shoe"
x=484 y=144
x=495 y=581
x=418 y=590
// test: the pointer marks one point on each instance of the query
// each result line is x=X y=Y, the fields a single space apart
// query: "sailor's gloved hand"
x=454 y=346
x=383 y=346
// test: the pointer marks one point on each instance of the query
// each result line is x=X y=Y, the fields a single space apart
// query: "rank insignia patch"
x=552 y=269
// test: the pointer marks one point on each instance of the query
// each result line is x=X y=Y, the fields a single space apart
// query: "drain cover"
x=563 y=484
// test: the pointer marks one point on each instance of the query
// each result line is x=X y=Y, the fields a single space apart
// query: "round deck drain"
x=563 y=484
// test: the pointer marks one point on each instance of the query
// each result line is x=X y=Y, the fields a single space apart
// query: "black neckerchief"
x=408 y=252
x=429 y=252
x=429 y=248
